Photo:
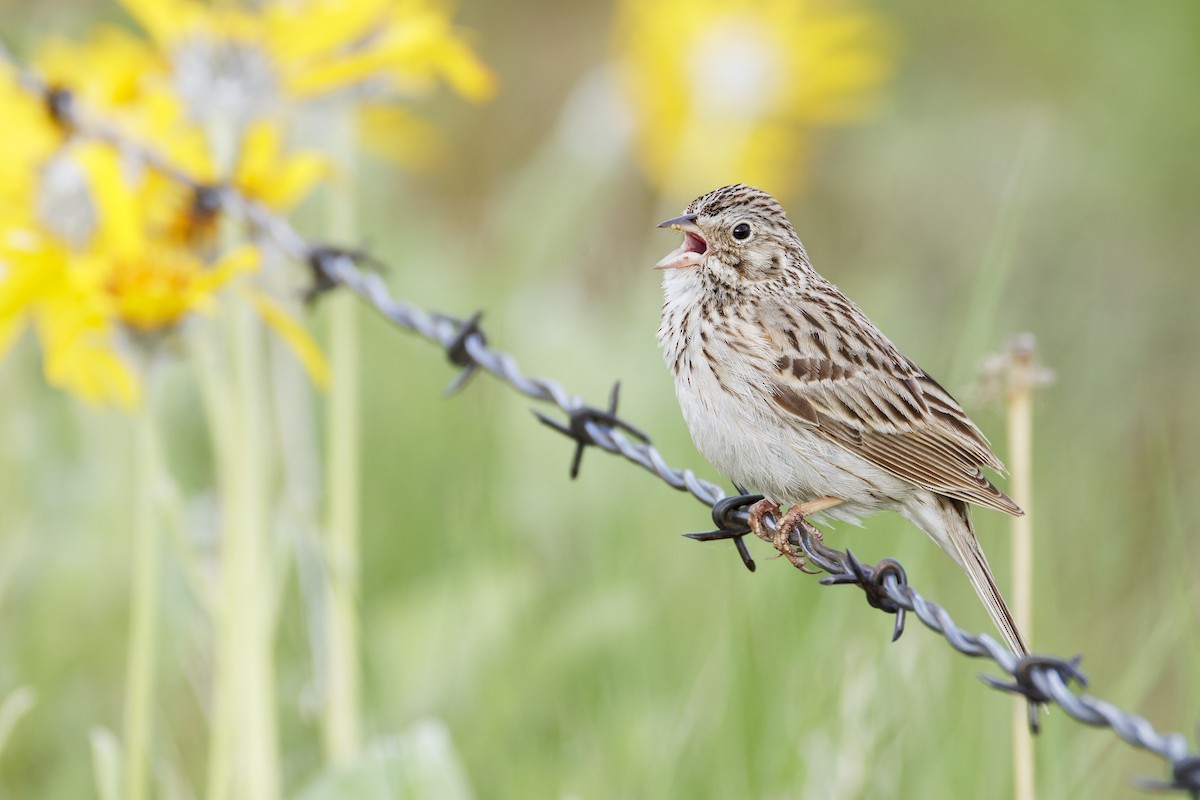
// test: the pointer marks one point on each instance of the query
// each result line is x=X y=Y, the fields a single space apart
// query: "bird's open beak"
x=688 y=254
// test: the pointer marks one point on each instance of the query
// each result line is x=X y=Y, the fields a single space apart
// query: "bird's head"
x=735 y=236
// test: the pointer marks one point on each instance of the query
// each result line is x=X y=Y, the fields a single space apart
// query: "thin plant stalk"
x=141 y=667
x=1019 y=402
x=246 y=554
x=214 y=386
x=341 y=721
x=244 y=748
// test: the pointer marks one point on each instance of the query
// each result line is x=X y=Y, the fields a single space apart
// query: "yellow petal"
x=398 y=135
x=243 y=258
x=465 y=73
x=296 y=178
x=260 y=150
x=120 y=225
x=350 y=69
x=308 y=30
x=78 y=353
x=109 y=68
x=94 y=374
x=295 y=335
x=265 y=174
x=164 y=20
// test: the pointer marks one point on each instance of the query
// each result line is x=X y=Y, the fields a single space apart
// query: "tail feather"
x=959 y=541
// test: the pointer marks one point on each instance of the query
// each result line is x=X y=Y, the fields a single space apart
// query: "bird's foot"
x=796 y=516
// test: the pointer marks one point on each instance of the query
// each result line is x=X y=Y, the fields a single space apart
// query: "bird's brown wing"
x=838 y=375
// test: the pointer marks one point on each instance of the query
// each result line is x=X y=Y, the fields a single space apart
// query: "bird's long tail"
x=957 y=537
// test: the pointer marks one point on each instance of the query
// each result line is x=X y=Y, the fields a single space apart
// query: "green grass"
x=570 y=641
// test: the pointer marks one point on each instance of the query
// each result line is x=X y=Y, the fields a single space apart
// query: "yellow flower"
x=41 y=287
x=727 y=90
x=228 y=59
x=263 y=171
x=412 y=45
x=109 y=70
x=83 y=302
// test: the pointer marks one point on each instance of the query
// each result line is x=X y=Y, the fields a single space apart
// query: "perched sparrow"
x=788 y=388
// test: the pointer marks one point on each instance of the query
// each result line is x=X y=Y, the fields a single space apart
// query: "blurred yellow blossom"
x=151 y=283
x=727 y=90
x=91 y=303
x=263 y=170
x=110 y=69
x=266 y=173
x=101 y=249
x=85 y=301
x=402 y=137
x=247 y=62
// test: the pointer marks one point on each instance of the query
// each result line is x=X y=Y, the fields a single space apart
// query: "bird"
x=787 y=387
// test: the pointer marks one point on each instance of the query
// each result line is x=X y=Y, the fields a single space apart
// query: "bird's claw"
x=755 y=514
x=780 y=538
x=783 y=539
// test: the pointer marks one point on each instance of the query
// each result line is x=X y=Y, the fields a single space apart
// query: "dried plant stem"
x=141 y=667
x=218 y=407
x=244 y=751
x=342 y=725
x=249 y=597
x=1022 y=381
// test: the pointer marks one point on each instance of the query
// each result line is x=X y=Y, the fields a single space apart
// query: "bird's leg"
x=755 y=516
x=794 y=516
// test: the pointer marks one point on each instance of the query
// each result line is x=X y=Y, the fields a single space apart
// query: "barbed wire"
x=1040 y=679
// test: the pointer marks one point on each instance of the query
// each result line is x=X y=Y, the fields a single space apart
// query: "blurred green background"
x=1033 y=168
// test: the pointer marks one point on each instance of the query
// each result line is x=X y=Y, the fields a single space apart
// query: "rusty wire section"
x=1041 y=680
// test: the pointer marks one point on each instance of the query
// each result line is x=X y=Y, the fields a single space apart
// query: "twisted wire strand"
x=1040 y=679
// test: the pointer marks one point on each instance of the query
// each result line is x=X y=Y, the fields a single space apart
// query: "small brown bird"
x=788 y=388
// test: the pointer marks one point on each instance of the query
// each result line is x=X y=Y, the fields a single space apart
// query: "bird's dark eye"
x=741 y=231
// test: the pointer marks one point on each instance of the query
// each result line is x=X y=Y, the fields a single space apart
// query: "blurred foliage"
x=1031 y=167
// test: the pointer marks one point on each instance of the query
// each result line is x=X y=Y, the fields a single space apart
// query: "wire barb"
x=60 y=105
x=1028 y=680
x=878 y=583
x=1185 y=777
x=729 y=515
x=207 y=199
x=456 y=351
x=583 y=422
x=327 y=263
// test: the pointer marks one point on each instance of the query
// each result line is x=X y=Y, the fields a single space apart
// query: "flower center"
x=224 y=78
x=64 y=201
x=735 y=68
x=153 y=290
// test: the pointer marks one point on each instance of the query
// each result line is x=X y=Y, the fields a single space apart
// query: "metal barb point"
x=577 y=426
x=724 y=515
x=874 y=581
x=1185 y=777
x=207 y=200
x=1024 y=681
x=323 y=260
x=60 y=104
x=456 y=351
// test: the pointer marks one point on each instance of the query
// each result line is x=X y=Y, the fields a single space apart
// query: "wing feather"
x=851 y=385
